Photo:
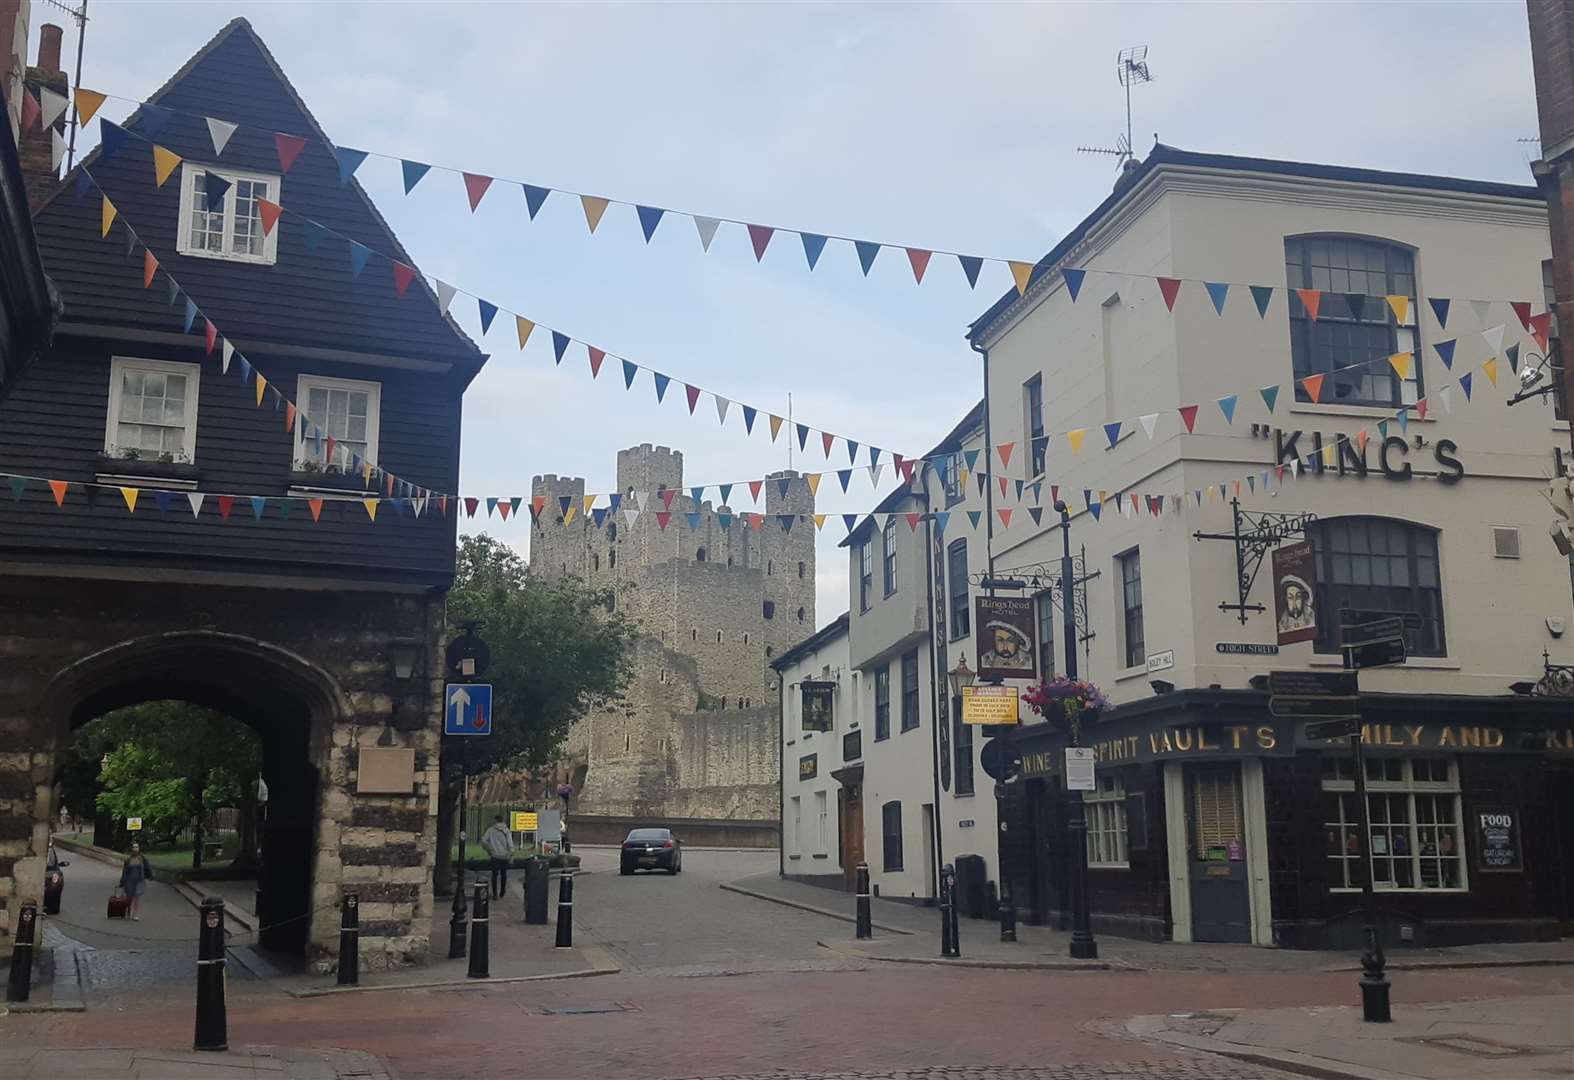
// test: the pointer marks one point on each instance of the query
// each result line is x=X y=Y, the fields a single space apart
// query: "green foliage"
x=558 y=651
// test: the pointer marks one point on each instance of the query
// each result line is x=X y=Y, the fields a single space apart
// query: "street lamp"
x=1083 y=945
x=961 y=677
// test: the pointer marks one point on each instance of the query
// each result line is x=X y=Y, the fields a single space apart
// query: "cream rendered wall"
x=899 y=769
x=802 y=852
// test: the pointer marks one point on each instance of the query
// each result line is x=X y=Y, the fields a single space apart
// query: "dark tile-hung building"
x=324 y=635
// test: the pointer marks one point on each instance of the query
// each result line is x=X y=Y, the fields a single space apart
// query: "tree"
x=558 y=651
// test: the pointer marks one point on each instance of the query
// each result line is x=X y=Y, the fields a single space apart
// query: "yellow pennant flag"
x=108 y=217
x=1401 y=362
x=1075 y=437
x=594 y=206
x=1400 y=306
x=130 y=495
x=819 y=521
x=572 y=510
x=813 y=480
x=590 y=500
x=88 y=103
x=776 y=426
x=164 y=162
x=1328 y=454
x=366 y=474
x=962 y=474
x=1021 y=272
x=1490 y=367
x=371 y=508
x=525 y=328
x=262 y=387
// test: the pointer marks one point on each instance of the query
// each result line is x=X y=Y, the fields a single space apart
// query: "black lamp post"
x=1083 y=945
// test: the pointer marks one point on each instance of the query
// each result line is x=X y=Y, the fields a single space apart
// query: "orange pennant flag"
x=315 y=505
x=525 y=327
x=149 y=268
x=1004 y=450
x=1401 y=364
x=819 y=521
x=164 y=162
x=88 y=104
x=371 y=508
x=289 y=416
x=1311 y=299
x=1075 y=437
x=594 y=206
x=59 y=488
x=269 y=213
x=1021 y=272
x=1314 y=387
x=130 y=495
x=1005 y=517
x=107 y=217
x=813 y=480
x=776 y=426
x=919 y=259
x=1360 y=440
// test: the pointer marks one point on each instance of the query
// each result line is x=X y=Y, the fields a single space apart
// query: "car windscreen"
x=650 y=834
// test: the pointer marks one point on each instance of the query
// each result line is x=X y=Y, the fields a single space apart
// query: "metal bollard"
x=350 y=940
x=950 y=943
x=565 y=910
x=480 y=935
x=1008 y=914
x=865 y=927
x=537 y=878
x=456 y=921
x=20 y=985
x=212 y=1018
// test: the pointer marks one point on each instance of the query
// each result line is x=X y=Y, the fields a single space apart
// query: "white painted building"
x=820 y=739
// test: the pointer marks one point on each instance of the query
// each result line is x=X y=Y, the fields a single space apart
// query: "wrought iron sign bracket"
x=1044 y=578
x=1255 y=533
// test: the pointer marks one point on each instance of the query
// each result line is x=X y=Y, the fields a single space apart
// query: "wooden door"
x=1220 y=901
x=851 y=816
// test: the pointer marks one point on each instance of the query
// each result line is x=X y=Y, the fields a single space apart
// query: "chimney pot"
x=49 y=36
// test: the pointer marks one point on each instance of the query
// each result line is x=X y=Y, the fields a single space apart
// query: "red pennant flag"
x=662 y=517
x=760 y=237
x=470 y=505
x=289 y=416
x=1522 y=309
x=289 y=147
x=316 y=508
x=1421 y=408
x=1360 y=440
x=226 y=502
x=1005 y=518
x=1134 y=500
x=693 y=393
x=1004 y=450
x=827 y=440
x=269 y=213
x=329 y=458
x=388 y=476
x=1311 y=299
x=754 y=489
x=1541 y=328
x=403 y=275
x=1280 y=471
x=1188 y=414
x=149 y=268
x=475 y=187
x=667 y=495
x=919 y=258
x=1314 y=387
x=535 y=505
x=756 y=522
x=1054 y=494
x=503 y=508
x=1002 y=481
x=210 y=334
x=905 y=467
x=596 y=356
x=59 y=488
x=912 y=521
x=31 y=110
x=442 y=505
x=1169 y=287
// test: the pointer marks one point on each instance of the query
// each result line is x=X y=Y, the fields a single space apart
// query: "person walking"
x=135 y=873
x=498 y=842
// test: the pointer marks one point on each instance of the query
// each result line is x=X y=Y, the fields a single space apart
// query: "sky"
x=941 y=126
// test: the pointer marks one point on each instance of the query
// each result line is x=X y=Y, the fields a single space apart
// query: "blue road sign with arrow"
x=467 y=709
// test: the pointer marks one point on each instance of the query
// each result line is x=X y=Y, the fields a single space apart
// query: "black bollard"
x=20 y=985
x=456 y=919
x=480 y=961
x=865 y=927
x=1008 y=914
x=537 y=877
x=350 y=940
x=212 y=1018
x=565 y=910
x=950 y=943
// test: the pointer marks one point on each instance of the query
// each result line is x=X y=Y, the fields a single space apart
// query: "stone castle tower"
x=715 y=600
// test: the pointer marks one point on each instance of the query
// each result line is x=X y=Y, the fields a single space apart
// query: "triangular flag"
x=594 y=206
x=262 y=388
x=1400 y=306
x=130 y=495
x=813 y=244
x=315 y=505
x=1356 y=302
x=226 y=504
x=1075 y=437
x=164 y=162
x=58 y=488
x=313 y=234
x=106 y=216
x=874 y=474
x=359 y=255
x=1490 y=367
x=371 y=508
x=210 y=334
x=850 y=520
x=534 y=197
x=867 y=250
x=776 y=426
x=289 y=148
x=1361 y=438
x=191 y=316
x=1311 y=299
x=559 y=345
x=476 y=187
x=749 y=413
x=149 y=268
x=1168 y=288
x=1541 y=329
x=1401 y=364
x=1521 y=308
x=827 y=440
x=1403 y=417
x=402 y=276
x=1022 y=274
x=1004 y=450
x=1270 y=396
x=1494 y=338
x=918 y=259
x=803 y=435
x=912 y=521
x=662 y=517
x=760 y=238
x=269 y=213
x=1446 y=395
x=661 y=385
x=721 y=408
x=1073 y=281
x=1149 y=422
x=1314 y=387
x=1440 y=309
x=974 y=516
x=590 y=500
x=1218 y=291
x=58 y=148
x=813 y=480
x=52 y=106
x=1188 y=415
x=18 y=484
x=226 y=350
x=1261 y=294
x=596 y=357
x=412 y=172
x=1421 y=408
x=111 y=138
x=971 y=265
x=488 y=311
x=1464 y=383
x=1227 y=407
x=629 y=371
x=289 y=416
x=706 y=227
x=259 y=503
x=1111 y=432
x=88 y=103
x=694 y=520
x=1511 y=354
x=218 y=130
x=349 y=160
x=844 y=477
x=786 y=521
x=1005 y=517
x=1034 y=512
x=1482 y=309
x=693 y=394
x=523 y=327
x=1445 y=352
x=819 y=521
x=649 y=218
x=195 y=498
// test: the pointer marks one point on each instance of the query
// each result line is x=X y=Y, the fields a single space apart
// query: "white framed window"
x=795 y=826
x=823 y=821
x=1417 y=841
x=1106 y=813
x=235 y=232
x=346 y=409
x=152 y=410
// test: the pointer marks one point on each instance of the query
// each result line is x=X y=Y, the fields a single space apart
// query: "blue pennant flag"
x=697 y=495
x=726 y=493
x=1270 y=396
x=786 y=520
x=874 y=455
x=852 y=452
x=162 y=499
x=559 y=345
x=850 y=520
x=1217 y=292
x=1403 y=416
x=258 y=505
x=1440 y=309
x=614 y=501
x=844 y=477
x=359 y=254
x=314 y=234
x=599 y=515
x=349 y=160
x=724 y=520
x=749 y=413
x=1464 y=383
x=1512 y=355
x=154 y=118
x=563 y=504
x=1074 y=279
x=413 y=171
x=974 y=515
x=661 y=385
x=1445 y=352
x=1261 y=294
x=783 y=485
x=803 y=435
x=1112 y=432
x=191 y=316
x=629 y=371
x=1038 y=490
x=941 y=518
x=214 y=188
x=1037 y=514
x=971 y=457
x=534 y=197
x=111 y=138
x=649 y=218
x=1251 y=482
x=694 y=520
x=971 y=265
x=1096 y=509
x=488 y=312
x=867 y=250
x=1227 y=407
x=813 y=244
x=491 y=505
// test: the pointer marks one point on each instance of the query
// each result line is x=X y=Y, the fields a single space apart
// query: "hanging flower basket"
x=1074 y=699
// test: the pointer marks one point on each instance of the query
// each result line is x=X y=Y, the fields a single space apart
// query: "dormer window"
x=234 y=229
x=346 y=409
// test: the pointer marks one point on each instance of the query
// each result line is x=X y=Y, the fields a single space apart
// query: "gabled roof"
x=829 y=632
x=1162 y=155
x=307 y=298
x=889 y=504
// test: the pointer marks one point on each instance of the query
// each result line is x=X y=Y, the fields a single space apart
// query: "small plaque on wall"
x=386 y=770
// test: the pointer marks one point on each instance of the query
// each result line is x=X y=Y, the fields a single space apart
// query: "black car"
x=651 y=849
x=54 y=882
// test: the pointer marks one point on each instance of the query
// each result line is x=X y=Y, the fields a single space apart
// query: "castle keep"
x=715 y=600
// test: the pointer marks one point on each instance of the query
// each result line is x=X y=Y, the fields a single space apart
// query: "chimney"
x=36 y=150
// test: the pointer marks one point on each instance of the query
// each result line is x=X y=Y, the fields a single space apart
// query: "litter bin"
x=971 y=882
x=537 y=875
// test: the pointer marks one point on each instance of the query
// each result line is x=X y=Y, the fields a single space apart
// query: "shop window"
x=882 y=702
x=888 y=538
x=962 y=742
x=1417 y=840
x=1378 y=564
x=1129 y=566
x=891 y=835
x=1106 y=813
x=910 y=690
x=956 y=574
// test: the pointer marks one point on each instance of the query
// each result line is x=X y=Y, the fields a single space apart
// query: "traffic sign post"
x=467 y=709
x=1333 y=729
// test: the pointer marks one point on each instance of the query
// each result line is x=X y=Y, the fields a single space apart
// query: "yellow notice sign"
x=134 y=824
x=989 y=705
x=524 y=821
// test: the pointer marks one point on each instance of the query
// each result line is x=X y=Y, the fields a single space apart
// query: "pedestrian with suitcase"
x=135 y=873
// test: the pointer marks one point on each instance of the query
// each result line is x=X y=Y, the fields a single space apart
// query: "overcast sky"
x=940 y=126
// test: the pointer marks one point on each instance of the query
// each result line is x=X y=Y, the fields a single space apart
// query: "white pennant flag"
x=641 y=498
x=707 y=230
x=445 y=295
x=1494 y=336
x=220 y=131
x=1148 y=422
x=1295 y=468
x=51 y=105
x=1482 y=308
x=195 y=499
x=874 y=474
x=630 y=515
x=229 y=351
x=721 y=408
x=420 y=505
x=1446 y=394
x=57 y=148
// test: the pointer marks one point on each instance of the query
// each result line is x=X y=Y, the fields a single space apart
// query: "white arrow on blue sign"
x=467 y=709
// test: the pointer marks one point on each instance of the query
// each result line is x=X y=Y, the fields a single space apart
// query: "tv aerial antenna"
x=79 y=16
x=1131 y=67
